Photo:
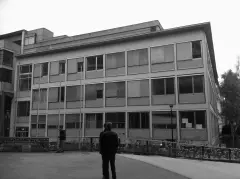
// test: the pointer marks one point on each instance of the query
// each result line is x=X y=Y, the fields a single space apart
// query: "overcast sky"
x=74 y=17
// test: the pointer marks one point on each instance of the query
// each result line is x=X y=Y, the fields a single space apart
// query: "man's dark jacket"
x=109 y=143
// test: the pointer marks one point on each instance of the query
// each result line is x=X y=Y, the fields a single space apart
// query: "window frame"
x=165 y=86
x=96 y=59
x=192 y=84
x=81 y=69
x=204 y=126
x=62 y=67
x=140 y=121
x=191 y=42
x=27 y=110
x=42 y=69
x=162 y=46
x=139 y=49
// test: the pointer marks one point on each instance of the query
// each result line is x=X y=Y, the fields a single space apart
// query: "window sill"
x=159 y=63
x=194 y=59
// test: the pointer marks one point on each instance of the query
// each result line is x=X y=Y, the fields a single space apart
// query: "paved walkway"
x=195 y=169
x=74 y=165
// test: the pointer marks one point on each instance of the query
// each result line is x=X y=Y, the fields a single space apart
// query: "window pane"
x=157 y=55
x=145 y=120
x=115 y=60
x=62 y=94
x=117 y=119
x=134 y=89
x=144 y=88
x=7 y=58
x=187 y=119
x=73 y=93
x=185 y=85
x=169 y=85
x=196 y=49
x=184 y=51
x=91 y=63
x=61 y=67
x=91 y=92
x=23 y=108
x=99 y=119
x=80 y=66
x=134 y=120
x=163 y=118
x=168 y=53
x=25 y=69
x=158 y=86
x=53 y=95
x=25 y=82
x=100 y=62
x=111 y=90
x=44 y=69
x=200 y=119
x=137 y=57
x=198 y=84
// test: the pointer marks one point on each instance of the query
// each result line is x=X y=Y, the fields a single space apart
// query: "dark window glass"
x=200 y=119
x=70 y=125
x=91 y=63
x=100 y=94
x=196 y=49
x=23 y=108
x=169 y=85
x=6 y=75
x=44 y=69
x=117 y=119
x=41 y=126
x=198 y=84
x=62 y=67
x=61 y=96
x=134 y=120
x=158 y=87
x=52 y=126
x=34 y=126
x=145 y=120
x=99 y=62
x=7 y=58
x=80 y=66
x=99 y=117
x=187 y=119
x=185 y=85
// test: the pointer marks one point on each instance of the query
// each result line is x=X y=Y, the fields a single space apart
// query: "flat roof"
x=206 y=27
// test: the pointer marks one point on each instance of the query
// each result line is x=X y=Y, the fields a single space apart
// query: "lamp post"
x=171 y=106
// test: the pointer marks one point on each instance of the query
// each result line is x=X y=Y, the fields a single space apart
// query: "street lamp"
x=171 y=106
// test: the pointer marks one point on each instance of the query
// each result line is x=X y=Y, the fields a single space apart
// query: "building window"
x=80 y=67
x=191 y=84
x=74 y=93
x=94 y=91
x=25 y=77
x=44 y=69
x=163 y=54
x=193 y=119
x=73 y=121
x=115 y=60
x=95 y=63
x=23 y=108
x=7 y=58
x=189 y=50
x=56 y=94
x=29 y=40
x=138 y=89
x=162 y=120
x=163 y=86
x=94 y=120
x=117 y=119
x=61 y=67
x=115 y=90
x=5 y=75
x=137 y=57
x=42 y=97
x=139 y=120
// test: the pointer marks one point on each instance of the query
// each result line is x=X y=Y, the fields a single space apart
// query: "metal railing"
x=147 y=147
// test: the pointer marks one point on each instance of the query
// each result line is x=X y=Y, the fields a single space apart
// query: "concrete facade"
x=127 y=41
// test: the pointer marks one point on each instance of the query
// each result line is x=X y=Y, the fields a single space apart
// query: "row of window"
x=161 y=54
x=136 y=120
x=139 y=88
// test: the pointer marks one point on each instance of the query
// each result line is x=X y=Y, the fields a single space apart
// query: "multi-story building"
x=129 y=76
x=10 y=45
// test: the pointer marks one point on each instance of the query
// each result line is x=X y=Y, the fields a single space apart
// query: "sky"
x=74 y=17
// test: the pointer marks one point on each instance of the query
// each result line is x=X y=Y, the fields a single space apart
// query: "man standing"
x=108 y=149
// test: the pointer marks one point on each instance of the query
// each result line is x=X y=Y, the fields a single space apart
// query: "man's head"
x=109 y=126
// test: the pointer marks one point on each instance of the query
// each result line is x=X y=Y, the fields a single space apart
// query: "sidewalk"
x=194 y=169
